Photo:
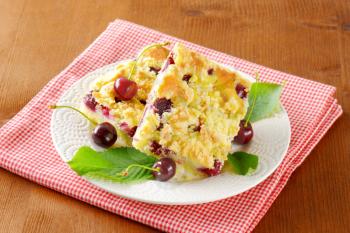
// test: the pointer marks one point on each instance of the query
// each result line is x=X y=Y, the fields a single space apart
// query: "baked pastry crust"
x=193 y=111
x=125 y=115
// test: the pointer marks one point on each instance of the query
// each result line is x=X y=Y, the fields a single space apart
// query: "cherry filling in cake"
x=241 y=91
x=216 y=170
x=169 y=61
x=193 y=113
x=119 y=96
x=126 y=128
x=90 y=101
x=186 y=77
x=162 y=105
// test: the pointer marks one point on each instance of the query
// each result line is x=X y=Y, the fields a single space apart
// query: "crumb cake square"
x=102 y=104
x=193 y=111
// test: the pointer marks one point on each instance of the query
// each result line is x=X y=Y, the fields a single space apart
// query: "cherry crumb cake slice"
x=193 y=113
x=125 y=111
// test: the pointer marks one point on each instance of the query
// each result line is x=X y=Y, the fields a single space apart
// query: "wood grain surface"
x=308 y=38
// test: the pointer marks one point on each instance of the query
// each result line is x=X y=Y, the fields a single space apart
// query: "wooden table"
x=309 y=38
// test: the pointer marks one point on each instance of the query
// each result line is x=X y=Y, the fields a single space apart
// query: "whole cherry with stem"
x=245 y=133
x=104 y=134
x=125 y=88
x=162 y=170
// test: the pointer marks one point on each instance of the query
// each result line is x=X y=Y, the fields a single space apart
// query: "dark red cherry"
x=90 y=101
x=125 y=89
x=167 y=169
x=245 y=133
x=216 y=170
x=241 y=91
x=210 y=71
x=104 y=135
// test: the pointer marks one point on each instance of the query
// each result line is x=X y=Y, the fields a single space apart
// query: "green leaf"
x=264 y=101
x=110 y=163
x=243 y=163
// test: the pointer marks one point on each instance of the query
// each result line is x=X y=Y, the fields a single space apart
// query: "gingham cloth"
x=27 y=150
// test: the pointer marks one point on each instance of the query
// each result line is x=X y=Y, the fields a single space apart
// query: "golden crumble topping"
x=129 y=112
x=193 y=111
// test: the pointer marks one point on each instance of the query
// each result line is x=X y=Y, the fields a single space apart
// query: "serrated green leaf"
x=110 y=163
x=243 y=163
x=264 y=101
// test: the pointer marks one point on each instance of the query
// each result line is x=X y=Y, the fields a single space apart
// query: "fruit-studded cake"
x=193 y=112
x=119 y=97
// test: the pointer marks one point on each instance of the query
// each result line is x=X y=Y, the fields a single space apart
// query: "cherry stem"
x=75 y=109
x=254 y=101
x=142 y=53
x=126 y=170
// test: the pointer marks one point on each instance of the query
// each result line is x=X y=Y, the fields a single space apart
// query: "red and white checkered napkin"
x=26 y=147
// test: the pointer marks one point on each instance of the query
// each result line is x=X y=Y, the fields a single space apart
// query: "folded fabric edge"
x=276 y=178
x=329 y=120
x=327 y=124
x=334 y=109
x=327 y=110
x=323 y=129
x=66 y=70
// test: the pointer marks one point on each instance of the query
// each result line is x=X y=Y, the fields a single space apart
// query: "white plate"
x=271 y=138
